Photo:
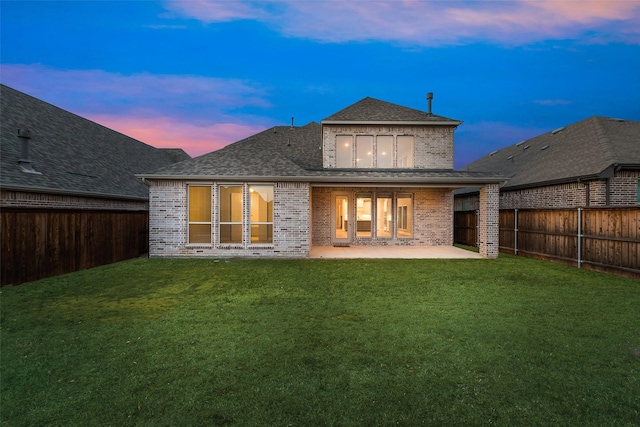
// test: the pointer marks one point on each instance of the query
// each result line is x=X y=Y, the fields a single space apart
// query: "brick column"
x=489 y=216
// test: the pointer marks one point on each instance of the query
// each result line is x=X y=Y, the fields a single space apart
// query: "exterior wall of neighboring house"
x=432 y=213
x=23 y=199
x=622 y=191
x=433 y=145
x=168 y=223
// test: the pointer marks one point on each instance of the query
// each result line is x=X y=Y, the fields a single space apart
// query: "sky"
x=201 y=74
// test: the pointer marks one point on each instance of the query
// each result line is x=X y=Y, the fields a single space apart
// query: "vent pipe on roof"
x=291 y=122
x=24 y=161
x=429 y=99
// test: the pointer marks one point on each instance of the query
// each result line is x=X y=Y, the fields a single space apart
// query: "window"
x=405 y=215
x=344 y=156
x=261 y=213
x=384 y=152
x=405 y=152
x=638 y=193
x=384 y=213
x=230 y=214
x=199 y=214
x=364 y=151
x=363 y=215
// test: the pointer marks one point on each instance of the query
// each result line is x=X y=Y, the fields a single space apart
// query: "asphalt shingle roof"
x=72 y=154
x=374 y=110
x=584 y=149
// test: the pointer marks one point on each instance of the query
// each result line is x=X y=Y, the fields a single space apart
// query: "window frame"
x=189 y=213
x=231 y=223
x=252 y=223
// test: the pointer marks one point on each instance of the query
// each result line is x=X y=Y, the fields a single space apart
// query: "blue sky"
x=202 y=74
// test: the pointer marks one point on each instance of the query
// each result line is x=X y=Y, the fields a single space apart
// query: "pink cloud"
x=166 y=132
x=429 y=23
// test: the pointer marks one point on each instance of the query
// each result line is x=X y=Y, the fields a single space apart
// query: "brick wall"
x=623 y=191
x=489 y=230
x=433 y=145
x=168 y=223
x=432 y=216
x=19 y=199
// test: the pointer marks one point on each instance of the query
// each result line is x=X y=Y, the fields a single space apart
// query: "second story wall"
x=431 y=146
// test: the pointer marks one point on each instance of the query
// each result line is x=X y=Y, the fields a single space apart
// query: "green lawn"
x=512 y=341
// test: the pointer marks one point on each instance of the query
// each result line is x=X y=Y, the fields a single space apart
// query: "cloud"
x=198 y=114
x=167 y=132
x=552 y=102
x=430 y=23
x=98 y=91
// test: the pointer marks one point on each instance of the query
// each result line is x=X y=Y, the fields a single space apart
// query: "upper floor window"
x=381 y=151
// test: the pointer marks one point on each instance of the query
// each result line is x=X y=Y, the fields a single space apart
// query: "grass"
x=512 y=341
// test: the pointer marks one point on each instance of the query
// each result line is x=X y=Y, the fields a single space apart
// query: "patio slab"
x=445 y=252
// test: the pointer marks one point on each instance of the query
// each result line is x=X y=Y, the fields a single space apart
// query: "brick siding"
x=489 y=218
x=433 y=145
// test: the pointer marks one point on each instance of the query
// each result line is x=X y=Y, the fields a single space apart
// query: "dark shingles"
x=583 y=149
x=73 y=154
x=371 y=110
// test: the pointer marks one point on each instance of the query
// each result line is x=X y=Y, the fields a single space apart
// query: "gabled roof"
x=587 y=149
x=285 y=153
x=370 y=110
x=72 y=155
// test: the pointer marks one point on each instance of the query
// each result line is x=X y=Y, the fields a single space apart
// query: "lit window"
x=384 y=212
x=363 y=215
x=261 y=206
x=199 y=214
x=405 y=215
x=384 y=152
x=405 y=151
x=364 y=151
x=344 y=151
x=230 y=214
x=638 y=194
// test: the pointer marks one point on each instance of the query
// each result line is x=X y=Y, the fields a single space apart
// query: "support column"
x=489 y=217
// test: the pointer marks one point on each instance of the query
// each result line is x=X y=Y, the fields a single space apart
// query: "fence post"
x=515 y=231
x=579 y=237
x=478 y=228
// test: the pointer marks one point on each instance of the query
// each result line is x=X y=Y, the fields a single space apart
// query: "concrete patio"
x=444 y=252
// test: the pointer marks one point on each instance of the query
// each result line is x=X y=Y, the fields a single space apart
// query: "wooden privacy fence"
x=604 y=239
x=36 y=244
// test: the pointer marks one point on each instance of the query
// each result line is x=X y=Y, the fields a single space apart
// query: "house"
x=372 y=174
x=59 y=169
x=594 y=162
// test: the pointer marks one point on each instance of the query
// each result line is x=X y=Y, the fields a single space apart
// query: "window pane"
x=364 y=151
x=230 y=233
x=230 y=204
x=384 y=151
x=363 y=216
x=383 y=217
x=199 y=233
x=199 y=204
x=405 y=152
x=261 y=203
x=343 y=152
x=261 y=233
x=405 y=215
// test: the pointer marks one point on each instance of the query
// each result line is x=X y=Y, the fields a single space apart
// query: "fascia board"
x=392 y=122
x=46 y=190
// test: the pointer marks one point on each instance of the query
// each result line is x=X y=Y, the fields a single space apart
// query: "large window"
x=404 y=217
x=404 y=152
x=364 y=151
x=261 y=216
x=363 y=215
x=384 y=216
x=384 y=152
x=230 y=214
x=199 y=214
x=344 y=151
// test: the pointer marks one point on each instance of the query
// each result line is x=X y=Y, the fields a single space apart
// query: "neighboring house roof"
x=370 y=110
x=72 y=155
x=286 y=153
x=588 y=149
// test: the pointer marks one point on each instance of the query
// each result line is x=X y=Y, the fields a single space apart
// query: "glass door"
x=342 y=221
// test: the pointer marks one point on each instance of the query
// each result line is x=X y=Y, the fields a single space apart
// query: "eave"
x=393 y=122
x=45 y=190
